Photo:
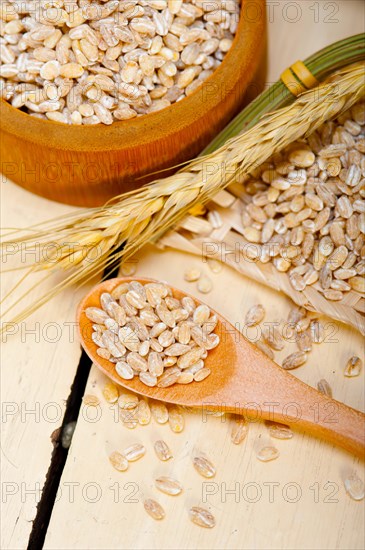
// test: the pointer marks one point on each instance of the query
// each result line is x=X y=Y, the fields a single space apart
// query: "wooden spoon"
x=242 y=380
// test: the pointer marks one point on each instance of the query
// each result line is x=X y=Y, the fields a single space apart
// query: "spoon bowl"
x=221 y=361
x=243 y=380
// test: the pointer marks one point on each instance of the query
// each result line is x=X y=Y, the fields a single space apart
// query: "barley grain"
x=143 y=412
x=273 y=338
x=162 y=450
x=176 y=419
x=118 y=461
x=310 y=196
x=168 y=485
x=354 y=486
x=304 y=341
x=134 y=452
x=266 y=454
x=255 y=315
x=324 y=387
x=239 y=429
x=159 y=412
x=124 y=370
x=279 y=431
x=294 y=360
x=104 y=353
x=154 y=509
x=167 y=43
x=187 y=377
x=204 y=467
x=317 y=332
x=110 y=392
x=204 y=285
x=91 y=400
x=128 y=401
x=353 y=366
x=202 y=517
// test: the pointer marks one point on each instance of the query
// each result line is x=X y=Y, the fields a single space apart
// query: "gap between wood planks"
x=60 y=453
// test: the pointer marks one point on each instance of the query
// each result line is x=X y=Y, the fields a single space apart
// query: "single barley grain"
x=204 y=285
x=202 y=517
x=324 y=387
x=203 y=466
x=255 y=315
x=143 y=412
x=354 y=486
x=159 y=412
x=148 y=379
x=201 y=314
x=353 y=366
x=134 y=452
x=110 y=392
x=118 y=461
x=214 y=265
x=128 y=401
x=104 y=353
x=91 y=400
x=189 y=358
x=187 y=377
x=294 y=360
x=265 y=454
x=279 y=431
x=239 y=429
x=124 y=370
x=273 y=338
x=176 y=419
x=192 y=275
x=317 y=332
x=168 y=485
x=96 y=314
x=154 y=509
x=162 y=450
x=304 y=341
x=128 y=416
x=202 y=374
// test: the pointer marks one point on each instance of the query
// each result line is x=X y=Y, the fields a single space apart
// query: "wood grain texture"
x=86 y=166
x=308 y=471
x=243 y=380
x=38 y=365
x=324 y=517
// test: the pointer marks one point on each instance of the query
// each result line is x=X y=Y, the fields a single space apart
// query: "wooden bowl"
x=86 y=166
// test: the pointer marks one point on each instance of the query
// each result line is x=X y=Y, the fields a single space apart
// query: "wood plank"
x=79 y=523
x=253 y=518
x=37 y=369
x=308 y=463
x=324 y=516
x=300 y=29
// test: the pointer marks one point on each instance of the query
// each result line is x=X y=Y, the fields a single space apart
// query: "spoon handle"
x=333 y=421
x=263 y=389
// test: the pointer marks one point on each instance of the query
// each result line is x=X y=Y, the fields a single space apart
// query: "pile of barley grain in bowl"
x=91 y=62
x=148 y=333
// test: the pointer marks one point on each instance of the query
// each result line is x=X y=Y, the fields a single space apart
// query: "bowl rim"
x=136 y=132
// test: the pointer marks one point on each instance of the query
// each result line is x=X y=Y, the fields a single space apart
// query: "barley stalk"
x=143 y=215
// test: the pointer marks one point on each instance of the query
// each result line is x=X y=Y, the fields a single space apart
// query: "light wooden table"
x=297 y=501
